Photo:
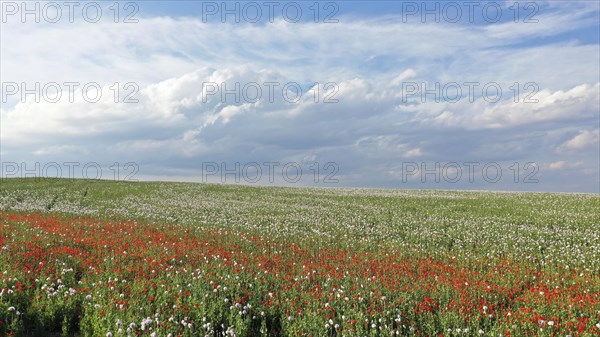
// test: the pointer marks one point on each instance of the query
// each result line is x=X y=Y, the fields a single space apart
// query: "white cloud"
x=575 y=103
x=59 y=149
x=557 y=165
x=562 y=165
x=408 y=73
x=413 y=153
x=585 y=138
x=368 y=131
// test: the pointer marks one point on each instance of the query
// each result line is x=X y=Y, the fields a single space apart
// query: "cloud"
x=413 y=153
x=59 y=150
x=585 y=139
x=578 y=103
x=360 y=65
x=557 y=165
x=408 y=73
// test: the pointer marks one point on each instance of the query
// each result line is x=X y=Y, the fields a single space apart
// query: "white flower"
x=12 y=309
x=109 y=334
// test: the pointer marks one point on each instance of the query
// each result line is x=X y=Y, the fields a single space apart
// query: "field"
x=102 y=258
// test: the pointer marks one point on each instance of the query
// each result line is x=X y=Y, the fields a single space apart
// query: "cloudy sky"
x=387 y=94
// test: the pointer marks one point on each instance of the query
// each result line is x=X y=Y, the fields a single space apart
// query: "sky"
x=492 y=95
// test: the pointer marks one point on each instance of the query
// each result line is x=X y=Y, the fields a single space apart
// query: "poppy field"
x=104 y=258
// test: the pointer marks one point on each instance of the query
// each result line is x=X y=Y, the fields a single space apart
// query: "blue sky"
x=371 y=63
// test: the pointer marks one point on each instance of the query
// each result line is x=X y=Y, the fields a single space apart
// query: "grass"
x=538 y=255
